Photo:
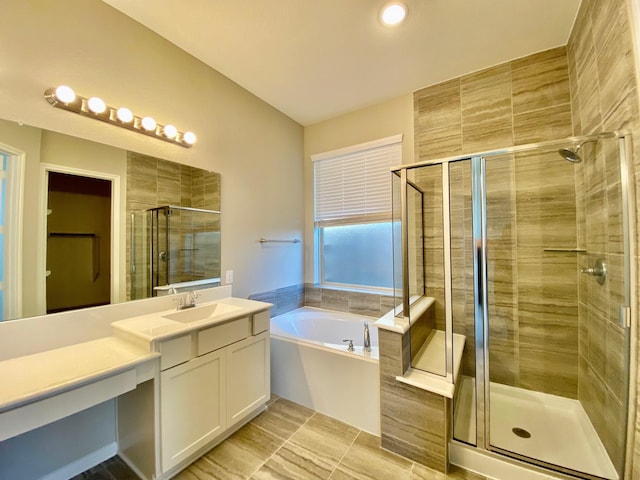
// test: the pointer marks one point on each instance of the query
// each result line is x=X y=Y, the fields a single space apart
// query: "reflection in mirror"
x=174 y=247
x=143 y=183
x=171 y=246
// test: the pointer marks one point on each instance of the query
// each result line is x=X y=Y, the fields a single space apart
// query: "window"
x=352 y=214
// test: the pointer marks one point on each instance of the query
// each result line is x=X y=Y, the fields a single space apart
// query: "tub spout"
x=367 y=338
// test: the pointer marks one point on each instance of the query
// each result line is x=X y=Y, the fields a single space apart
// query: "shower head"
x=571 y=154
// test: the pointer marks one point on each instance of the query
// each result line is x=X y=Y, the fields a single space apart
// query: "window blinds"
x=353 y=185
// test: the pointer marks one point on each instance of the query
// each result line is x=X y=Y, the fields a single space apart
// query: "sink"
x=205 y=312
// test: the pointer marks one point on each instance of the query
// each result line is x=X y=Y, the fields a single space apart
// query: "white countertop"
x=156 y=326
x=40 y=375
x=400 y=324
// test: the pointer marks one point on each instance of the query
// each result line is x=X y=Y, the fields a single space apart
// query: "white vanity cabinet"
x=191 y=407
x=211 y=380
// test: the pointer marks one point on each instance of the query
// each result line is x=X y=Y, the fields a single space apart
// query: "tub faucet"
x=350 y=347
x=367 y=338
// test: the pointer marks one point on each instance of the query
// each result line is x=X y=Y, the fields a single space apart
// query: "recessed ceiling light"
x=393 y=13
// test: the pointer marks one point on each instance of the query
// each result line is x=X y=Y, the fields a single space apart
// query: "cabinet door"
x=248 y=376
x=191 y=406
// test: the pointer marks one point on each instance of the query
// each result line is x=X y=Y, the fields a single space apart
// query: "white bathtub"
x=310 y=365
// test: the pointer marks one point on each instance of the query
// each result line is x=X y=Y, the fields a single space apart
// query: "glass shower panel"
x=461 y=226
x=426 y=269
x=603 y=337
x=556 y=349
x=396 y=215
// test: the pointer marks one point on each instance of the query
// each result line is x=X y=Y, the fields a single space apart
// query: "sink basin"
x=197 y=314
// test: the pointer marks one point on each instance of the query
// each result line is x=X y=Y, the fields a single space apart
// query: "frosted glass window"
x=358 y=255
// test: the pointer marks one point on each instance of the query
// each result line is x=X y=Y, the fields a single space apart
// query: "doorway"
x=78 y=249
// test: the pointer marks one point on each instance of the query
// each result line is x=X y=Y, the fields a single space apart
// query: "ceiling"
x=317 y=59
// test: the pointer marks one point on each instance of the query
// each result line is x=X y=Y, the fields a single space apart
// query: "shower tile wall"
x=522 y=101
x=152 y=182
x=604 y=98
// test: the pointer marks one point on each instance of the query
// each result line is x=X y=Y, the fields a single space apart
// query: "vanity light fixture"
x=64 y=97
x=393 y=13
x=96 y=105
x=170 y=131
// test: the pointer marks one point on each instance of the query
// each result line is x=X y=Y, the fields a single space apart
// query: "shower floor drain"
x=521 y=432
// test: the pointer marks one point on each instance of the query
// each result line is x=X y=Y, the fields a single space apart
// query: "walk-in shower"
x=530 y=261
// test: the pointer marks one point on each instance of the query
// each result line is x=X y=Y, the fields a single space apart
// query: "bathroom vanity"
x=183 y=380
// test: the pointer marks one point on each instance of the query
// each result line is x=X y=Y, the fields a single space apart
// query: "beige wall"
x=46 y=147
x=379 y=121
x=257 y=149
x=27 y=140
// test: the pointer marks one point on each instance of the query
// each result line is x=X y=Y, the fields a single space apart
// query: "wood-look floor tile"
x=328 y=437
x=120 y=470
x=420 y=472
x=240 y=455
x=292 y=462
x=283 y=418
x=366 y=460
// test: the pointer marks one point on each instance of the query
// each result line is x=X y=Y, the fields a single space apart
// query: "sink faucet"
x=367 y=338
x=188 y=300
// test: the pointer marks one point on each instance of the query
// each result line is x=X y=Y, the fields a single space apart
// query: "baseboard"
x=85 y=463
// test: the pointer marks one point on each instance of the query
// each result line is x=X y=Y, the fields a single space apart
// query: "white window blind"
x=353 y=185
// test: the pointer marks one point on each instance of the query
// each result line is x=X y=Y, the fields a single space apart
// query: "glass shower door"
x=554 y=285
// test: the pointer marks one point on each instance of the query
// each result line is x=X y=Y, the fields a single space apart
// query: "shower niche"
x=525 y=257
x=174 y=247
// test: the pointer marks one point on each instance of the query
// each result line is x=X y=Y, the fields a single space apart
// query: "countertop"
x=157 y=326
x=40 y=375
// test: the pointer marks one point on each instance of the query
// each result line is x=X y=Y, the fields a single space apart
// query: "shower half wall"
x=508 y=244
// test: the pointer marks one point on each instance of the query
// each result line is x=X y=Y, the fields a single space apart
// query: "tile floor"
x=290 y=441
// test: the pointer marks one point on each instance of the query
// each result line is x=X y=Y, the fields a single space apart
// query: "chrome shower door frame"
x=628 y=314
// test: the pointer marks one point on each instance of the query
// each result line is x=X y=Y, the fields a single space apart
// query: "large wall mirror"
x=85 y=224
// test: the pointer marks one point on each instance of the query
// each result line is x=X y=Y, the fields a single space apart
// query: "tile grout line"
x=286 y=440
x=345 y=453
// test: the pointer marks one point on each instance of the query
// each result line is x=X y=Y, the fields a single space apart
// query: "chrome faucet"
x=188 y=300
x=350 y=347
x=367 y=338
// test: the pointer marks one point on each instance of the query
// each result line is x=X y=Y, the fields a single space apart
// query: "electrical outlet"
x=229 y=276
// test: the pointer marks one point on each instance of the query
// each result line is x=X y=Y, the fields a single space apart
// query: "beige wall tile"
x=540 y=125
x=486 y=109
x=540 y=81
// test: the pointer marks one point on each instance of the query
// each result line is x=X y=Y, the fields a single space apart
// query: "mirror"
x=139 y=185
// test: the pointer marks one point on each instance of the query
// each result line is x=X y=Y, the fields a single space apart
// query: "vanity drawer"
x=261 y=322
x=219 y=336
x=175 y=351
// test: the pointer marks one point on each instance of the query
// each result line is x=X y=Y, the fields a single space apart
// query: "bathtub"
x=311 y=365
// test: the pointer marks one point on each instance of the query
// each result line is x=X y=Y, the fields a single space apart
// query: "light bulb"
x=65 y=94
x=148 y=123
x=393 y=13
x=170 y=131
x=124 y=115
x=189 y=137
x=96 y=105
